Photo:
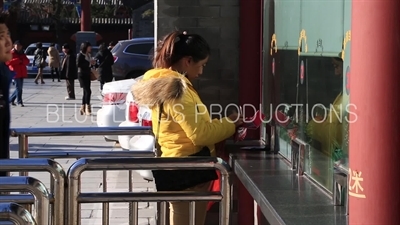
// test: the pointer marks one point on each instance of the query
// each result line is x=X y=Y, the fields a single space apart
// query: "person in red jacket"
x=17 y=66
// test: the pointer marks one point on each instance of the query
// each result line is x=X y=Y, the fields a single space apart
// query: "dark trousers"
x=17 y=94
x=57 y=73
x=102 y=82
x=87 y=93
x=5 y=149
x=70 y=87
x=4 y=154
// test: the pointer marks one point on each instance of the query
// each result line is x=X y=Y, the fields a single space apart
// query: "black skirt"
x=178 y=180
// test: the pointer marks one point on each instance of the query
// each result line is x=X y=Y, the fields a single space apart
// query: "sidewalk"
x=45 y=106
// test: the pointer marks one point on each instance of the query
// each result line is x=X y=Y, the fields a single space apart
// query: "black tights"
x=87 y=93
x=55 y=70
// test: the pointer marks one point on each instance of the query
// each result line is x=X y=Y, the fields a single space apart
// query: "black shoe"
x=13 y=103
x=22 y=105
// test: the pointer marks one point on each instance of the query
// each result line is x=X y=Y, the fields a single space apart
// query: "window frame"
x=143 y=43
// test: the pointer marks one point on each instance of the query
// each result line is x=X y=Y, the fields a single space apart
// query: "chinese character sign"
x=355 y=184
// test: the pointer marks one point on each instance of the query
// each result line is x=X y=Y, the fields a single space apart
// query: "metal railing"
x=340 y=187
x=16 y=214
x=36 y=188
x=56 y=186
x=23 y=134
x=76 y=197
x=129 y=164
x=298 y=161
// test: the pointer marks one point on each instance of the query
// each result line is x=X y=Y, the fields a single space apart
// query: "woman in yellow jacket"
x=185 y=128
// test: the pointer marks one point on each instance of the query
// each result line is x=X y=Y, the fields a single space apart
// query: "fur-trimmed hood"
x=159 y=86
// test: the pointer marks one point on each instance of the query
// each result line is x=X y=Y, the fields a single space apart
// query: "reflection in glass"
x=308 y=90
x=285 y=94
x=323 y=127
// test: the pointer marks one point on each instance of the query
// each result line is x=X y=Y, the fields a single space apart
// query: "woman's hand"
x=236 y=118
x=292 y=133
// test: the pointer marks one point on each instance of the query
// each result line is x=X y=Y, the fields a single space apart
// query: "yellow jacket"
x=329 y=132
x=186 y=126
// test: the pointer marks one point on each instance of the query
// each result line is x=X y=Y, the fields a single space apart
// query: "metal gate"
x=100 y=160
x=16 y=214
x=56 y=188
x=75 y=197
x=36 y=188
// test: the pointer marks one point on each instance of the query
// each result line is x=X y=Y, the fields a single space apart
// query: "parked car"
x=119 y=109
x=112 y=112
x=30 y=50
x=137 y=116
x=132 y=58
x=95 y=50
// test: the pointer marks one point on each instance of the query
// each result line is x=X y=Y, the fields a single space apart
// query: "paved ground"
x=45 y=107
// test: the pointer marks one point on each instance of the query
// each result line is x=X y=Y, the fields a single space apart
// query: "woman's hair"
x=52 y=44
x=3 y=17
x=102 y=47
x=66 y=46
x=84 y=46
x=176 y=45
x=39 y=45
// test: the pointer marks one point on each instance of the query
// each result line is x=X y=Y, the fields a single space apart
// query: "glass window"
x=320 y=114
x=115 y=48
x=142 y=49
x=95 y=50
x=284 y=95
x=310 y=107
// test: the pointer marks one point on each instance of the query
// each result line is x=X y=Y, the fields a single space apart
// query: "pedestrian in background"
x=111 y=45
x=84 y=63
x=54 y=61
x=69 y=70
x=5 y=81
x=39 y=60
x=105 y=61
x=18 y=65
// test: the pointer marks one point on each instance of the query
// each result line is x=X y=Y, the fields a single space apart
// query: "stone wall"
x=143 y=26
x=218 y=22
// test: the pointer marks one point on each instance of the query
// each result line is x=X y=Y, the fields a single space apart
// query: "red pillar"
x=86 y=17
x=245 y=205
x=374 y=90
x=250 y=68
x=250 y=49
